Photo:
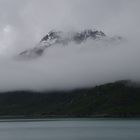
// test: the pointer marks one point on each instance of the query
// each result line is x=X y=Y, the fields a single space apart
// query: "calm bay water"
x=70 y=129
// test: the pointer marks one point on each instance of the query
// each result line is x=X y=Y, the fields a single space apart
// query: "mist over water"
x=24 y=23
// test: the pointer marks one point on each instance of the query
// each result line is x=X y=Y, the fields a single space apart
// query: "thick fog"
x=24 y=22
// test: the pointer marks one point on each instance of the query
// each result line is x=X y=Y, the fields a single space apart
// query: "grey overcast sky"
x=24 y=22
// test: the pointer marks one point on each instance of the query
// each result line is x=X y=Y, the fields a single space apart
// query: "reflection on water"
x=70 y=129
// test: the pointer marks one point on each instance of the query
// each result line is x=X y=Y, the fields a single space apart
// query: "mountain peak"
x=76 y=35
x=63 y=38
x=51 y=35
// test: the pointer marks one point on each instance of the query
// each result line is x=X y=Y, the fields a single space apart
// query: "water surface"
x=70 y=129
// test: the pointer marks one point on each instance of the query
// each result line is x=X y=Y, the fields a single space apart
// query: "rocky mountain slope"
x=64 y=38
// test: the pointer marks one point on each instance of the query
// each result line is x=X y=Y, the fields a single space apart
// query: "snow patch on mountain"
x=58 y=38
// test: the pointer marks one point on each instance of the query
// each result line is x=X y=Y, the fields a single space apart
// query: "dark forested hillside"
x=118 y=99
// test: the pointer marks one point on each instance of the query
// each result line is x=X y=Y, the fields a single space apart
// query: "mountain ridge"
x=64 y=38
x=119 y=99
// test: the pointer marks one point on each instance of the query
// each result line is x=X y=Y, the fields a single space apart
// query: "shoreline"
x=68 y=117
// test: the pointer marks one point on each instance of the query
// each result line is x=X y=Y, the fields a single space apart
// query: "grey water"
x=70 y=129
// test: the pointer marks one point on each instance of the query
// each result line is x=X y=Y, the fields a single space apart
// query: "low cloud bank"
x=73 y=66
x=25 y=22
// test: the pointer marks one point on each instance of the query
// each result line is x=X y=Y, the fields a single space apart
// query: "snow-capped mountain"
x=64 y=38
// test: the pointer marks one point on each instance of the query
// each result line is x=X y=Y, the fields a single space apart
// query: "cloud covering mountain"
x=64 y=39
x=24 y=23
